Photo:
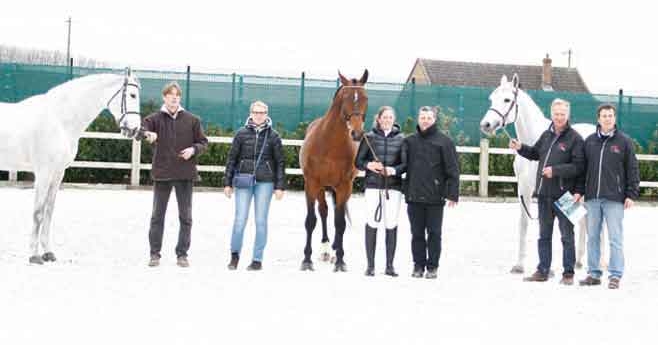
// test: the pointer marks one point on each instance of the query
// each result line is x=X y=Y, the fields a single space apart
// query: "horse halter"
x=514 y=105
x=124 y=108
x=347 y=116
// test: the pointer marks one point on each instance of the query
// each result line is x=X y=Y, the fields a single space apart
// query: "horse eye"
x=507 y=100
x=133 y=96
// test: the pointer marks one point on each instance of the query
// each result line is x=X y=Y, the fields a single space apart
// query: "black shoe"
x=371 y=242
x=418 y=272
x=255 y=266
x=235 y=257
x=391 y=241
x=182 y=261
x=155 y=261
x=390 y=271
x=431 y=273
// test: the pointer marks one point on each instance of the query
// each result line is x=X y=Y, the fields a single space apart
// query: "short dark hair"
x=606 y=106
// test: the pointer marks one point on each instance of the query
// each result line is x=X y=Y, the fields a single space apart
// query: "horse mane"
x=91 y=79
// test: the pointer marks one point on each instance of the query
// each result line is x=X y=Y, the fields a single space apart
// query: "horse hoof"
x=325 y=257
x=307 y=266
x=36 y=259
x=49 y=256
x=333 y=260
x=517 y=270
x=578 y=265
x=340 y=267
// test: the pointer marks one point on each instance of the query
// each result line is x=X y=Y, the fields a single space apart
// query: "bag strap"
x=261 y=151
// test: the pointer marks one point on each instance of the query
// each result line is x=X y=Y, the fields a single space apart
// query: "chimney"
x=547 y=74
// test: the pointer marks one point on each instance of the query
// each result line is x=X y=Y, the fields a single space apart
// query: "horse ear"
x=343 y=80
x=364 y=77
x=515 y=81
x=503 y=80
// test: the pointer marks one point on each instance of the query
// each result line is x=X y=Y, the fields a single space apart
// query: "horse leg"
x=40 y=195
x=53 y=188
x=311 y=220
x=523 y=234
x=340 y=224
x=582 y=242
x=324 y=210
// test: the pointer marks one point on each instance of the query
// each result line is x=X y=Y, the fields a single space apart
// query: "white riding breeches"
x=381 y=211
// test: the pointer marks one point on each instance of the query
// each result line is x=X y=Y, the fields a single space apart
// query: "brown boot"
x=613 y=283
x=155 y=261
x=536 y=277
x=590 y=281
x=567 y=279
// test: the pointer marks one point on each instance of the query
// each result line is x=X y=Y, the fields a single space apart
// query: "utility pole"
x=68 y=42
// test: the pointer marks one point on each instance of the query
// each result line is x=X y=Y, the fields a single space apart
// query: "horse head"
x=353 y=100
x=124 y=105
x=504 y=107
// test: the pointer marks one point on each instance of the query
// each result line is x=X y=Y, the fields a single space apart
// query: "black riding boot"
x=371 y=241
x=391 y=241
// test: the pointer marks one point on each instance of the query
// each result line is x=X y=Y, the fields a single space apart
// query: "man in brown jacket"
x=178 y=140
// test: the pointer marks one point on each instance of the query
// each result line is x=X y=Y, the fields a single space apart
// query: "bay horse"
x=41 y=133
x=511 y=105
x=327 y=162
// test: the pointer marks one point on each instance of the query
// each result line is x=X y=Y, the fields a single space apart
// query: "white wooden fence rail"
x=135 y=165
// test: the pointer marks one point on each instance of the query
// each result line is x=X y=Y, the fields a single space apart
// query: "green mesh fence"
x=223 y=99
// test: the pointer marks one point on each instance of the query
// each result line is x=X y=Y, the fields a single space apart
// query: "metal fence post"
x=233 y=100
x=301 y=98
x=187 y=88
x=620 y=111
x=484 y=167
x=412 y=98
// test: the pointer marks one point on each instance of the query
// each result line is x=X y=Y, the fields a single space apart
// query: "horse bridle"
x=514 y=105
x=124 y=107
x=348 y=117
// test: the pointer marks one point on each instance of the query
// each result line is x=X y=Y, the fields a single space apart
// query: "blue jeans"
x=262 y=195
x=613 y=213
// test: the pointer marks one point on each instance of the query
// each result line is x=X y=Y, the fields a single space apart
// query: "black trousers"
x=426 y=221
x=161 y=193
x=547 y=215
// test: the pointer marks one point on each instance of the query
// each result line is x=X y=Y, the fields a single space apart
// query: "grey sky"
x=612 y=42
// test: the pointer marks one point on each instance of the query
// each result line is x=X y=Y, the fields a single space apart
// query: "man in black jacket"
x=559 y=151
x=178 y=140
x=432 y=177
x=613 y=182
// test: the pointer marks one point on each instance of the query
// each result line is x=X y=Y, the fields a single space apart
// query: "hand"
x=390 y=171
x=228 y=190
x=187 y=153
x=278 y=194
x=577 y=197
x=515 y=144
x=628 y=203
x=375 y=166
x=151 y=137
x=452 y=203
x=548 y=172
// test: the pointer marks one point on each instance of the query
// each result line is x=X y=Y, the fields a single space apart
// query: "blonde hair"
x=172 y=86
x=258 y=103
x=560 y=101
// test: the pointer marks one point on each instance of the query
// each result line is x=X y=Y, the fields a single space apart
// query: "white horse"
x=510 y=104
x=41 y=133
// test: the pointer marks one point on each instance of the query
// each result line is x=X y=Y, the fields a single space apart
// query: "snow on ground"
x=100 y=290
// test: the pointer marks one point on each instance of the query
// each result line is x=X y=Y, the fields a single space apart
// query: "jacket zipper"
x=550 y=148
x=598 y=188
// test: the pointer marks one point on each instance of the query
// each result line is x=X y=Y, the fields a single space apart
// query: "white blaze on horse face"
x=502 y=98
x=356 y=97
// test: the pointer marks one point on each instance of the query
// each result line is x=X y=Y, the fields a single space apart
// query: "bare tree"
x=12 y=54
